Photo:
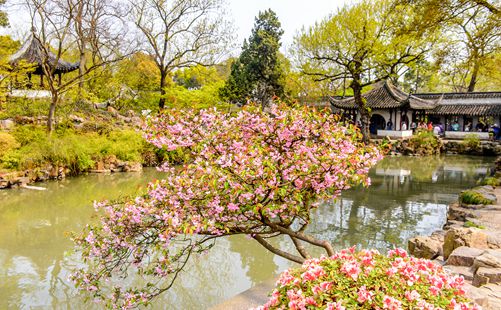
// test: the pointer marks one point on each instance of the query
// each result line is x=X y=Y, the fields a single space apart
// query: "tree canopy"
x=258 y=74
x=361 y=44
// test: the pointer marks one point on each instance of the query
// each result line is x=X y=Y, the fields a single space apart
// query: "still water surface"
x=408 y=196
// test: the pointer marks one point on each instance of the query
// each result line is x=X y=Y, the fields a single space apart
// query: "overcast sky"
x=293 y=14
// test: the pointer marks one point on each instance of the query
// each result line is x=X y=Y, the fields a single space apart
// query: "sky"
x=293 y=15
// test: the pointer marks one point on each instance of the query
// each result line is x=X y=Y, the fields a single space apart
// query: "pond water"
x=408 y=196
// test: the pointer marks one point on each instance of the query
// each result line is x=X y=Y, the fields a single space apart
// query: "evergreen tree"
x=257 y=73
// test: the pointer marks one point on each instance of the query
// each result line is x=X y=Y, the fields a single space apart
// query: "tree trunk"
x=52 y=112
x=365 y=116
x=163 y=79
x=473 y=80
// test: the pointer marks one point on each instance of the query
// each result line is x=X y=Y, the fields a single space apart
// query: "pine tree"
x=257 y=73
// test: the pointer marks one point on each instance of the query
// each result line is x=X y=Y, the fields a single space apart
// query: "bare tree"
x=55 y=21
x=181 y=33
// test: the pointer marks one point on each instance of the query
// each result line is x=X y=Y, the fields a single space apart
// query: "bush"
x=425 y=143
x=368 y=280
x=77 y=151
x=471 y=197
x=472 y=141
x=7 y=143
x=492 y=181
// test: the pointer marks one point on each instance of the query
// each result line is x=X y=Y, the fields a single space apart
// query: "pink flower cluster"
x=360 y=280
x=247 y=170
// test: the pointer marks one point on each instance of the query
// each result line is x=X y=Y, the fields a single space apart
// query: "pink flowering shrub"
x=252 y=173
x=368 y=280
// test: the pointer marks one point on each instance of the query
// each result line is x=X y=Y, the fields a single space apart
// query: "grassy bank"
x=30 y=147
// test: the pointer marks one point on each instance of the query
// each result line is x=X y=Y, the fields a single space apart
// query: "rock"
x=425 y=247
x=76 y=119
x=487 y=296
x=4 y=184
x=458 y=213
x=486 y=275
x=7 y=123
x=463 y=256
x=494 y=239
x=23 y=181
x=489 y=259
x=132 y=167
x=466 y=272
x=461 y=236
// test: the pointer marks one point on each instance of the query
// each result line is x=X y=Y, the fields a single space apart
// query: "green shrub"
x=472 y=141
x=471 y=197
x=425 y=143
x=7 y=143
x=492 y=181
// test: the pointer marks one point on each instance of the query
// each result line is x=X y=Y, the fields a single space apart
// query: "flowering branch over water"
x=252 y=173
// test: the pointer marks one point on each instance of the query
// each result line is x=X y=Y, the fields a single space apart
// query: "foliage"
x=369 y=280
x=472 y=141
x=471 y=224
x=181 y=33
x=258 y=72
x=471 y=197
x=492 y=181
x=66 y=148
x=4 y=21
x=424 y=142
x=7 y=143
x=360 y=44
x=139 y=72
x=252 y=173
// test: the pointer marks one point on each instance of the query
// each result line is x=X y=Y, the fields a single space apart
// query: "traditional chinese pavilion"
x=33 y=52
x=389 y=104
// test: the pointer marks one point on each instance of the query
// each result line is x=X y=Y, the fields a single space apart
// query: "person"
x=455 y=126
x=404 y=126
x=496 y=130
x=430 y=126
x=413 y=126
x=389 y=125
x=436 y=130
x=467 y=127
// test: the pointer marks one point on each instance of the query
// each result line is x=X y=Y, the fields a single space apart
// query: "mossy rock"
x=477 y=196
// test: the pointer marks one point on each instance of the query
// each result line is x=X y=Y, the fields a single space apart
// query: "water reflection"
x=408 y=197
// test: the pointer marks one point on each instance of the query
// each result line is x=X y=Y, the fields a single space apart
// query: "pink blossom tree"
x=253 y=173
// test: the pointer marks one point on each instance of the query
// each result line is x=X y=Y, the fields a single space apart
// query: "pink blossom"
x=391 y=303
x=364 y=295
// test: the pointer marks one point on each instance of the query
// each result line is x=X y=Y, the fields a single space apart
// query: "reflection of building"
x=394 y=110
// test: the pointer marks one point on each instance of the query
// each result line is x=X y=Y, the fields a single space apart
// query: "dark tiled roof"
x=467 y=109
x=385 y=95
x=473 y=104
x=32 y=52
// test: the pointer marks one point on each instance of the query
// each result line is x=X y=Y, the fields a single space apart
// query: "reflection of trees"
x=259 y=267
x=33 y=235
x=393 y=208
x=33 y=228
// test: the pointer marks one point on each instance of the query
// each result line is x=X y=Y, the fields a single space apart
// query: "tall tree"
x=181 y=33
x=476 y=36
x=55 y=20
x=258 y=73
x=4 y=21
x=362 y=43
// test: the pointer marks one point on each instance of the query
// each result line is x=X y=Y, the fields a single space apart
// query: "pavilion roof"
x=33 y=52
x=384 y=95
x=471 y=104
